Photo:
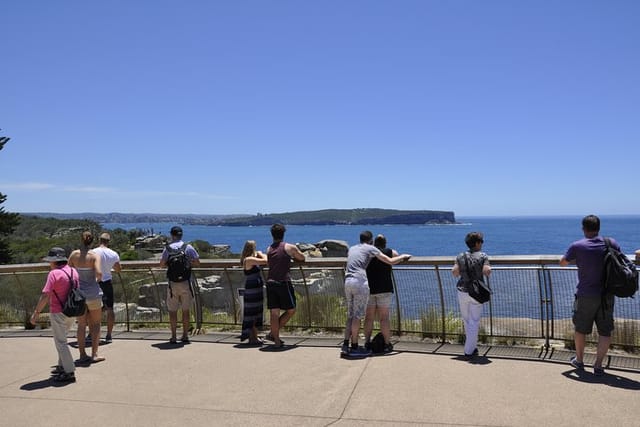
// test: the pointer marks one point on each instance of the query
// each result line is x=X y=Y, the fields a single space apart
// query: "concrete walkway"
x=215 y=381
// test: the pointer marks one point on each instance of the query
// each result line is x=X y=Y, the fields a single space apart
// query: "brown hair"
x=87 y=238
x=248 y=250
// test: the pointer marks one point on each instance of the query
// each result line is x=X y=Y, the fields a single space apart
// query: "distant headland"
x=364 y=216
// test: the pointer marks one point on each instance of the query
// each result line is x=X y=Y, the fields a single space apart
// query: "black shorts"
x=280 y=295
x=588 y=309
x=107 y=293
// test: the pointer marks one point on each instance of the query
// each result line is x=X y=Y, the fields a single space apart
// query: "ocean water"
x=502 y=235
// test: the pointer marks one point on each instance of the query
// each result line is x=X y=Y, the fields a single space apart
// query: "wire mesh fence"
x=529 y=301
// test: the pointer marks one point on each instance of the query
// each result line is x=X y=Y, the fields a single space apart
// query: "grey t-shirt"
x=475 y=261
x=358 y=259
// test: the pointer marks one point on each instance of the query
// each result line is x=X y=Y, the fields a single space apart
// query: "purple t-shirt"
x=588 y=255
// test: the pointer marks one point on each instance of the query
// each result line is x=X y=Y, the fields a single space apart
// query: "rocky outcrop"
x=333 y=248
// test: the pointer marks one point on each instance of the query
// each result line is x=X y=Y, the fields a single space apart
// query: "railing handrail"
x=531 y=290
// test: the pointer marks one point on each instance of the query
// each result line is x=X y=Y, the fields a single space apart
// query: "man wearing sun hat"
x=54 y=293
x=110 y=261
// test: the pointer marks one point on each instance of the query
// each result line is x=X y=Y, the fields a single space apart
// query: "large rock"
x=333 y=248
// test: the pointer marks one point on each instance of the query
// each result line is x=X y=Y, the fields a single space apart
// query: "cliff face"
x=347 y=216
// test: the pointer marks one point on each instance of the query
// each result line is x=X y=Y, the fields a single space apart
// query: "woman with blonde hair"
x=253 y=298
x=89 y=269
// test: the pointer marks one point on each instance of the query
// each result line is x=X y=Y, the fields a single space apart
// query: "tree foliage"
x=34 y=236
x=8 y=223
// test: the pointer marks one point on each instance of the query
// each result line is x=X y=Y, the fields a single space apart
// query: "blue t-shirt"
x=588 y=255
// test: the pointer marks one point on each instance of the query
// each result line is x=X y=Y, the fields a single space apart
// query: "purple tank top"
x=279 y=263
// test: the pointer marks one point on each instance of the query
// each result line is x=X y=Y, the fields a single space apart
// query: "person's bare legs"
x=111 y=318
x=368 y=322
x=603 y=348
x=385 y=324
x=275 y=325
x=95 y=317
x=285 y=317
x=580 y=341
x=173 y=323
x=185 y=323
x=82 y=330
x=355 y=329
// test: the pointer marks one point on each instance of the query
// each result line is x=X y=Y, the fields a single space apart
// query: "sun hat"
x=55 y=255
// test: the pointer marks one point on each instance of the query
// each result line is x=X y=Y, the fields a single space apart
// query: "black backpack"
x=620 y=276
x=377 y=343
x=178 y=264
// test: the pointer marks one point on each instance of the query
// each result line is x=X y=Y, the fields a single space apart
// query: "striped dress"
x=253 y=301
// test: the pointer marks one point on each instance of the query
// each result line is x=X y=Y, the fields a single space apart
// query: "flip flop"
x=97 y=359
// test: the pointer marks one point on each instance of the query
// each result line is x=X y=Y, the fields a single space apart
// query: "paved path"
x=216 y=382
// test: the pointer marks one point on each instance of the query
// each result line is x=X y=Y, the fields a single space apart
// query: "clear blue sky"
x=218 y=107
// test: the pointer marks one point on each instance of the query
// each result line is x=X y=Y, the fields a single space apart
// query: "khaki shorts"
x=94 y=304
x=382 y=300
x=179 y=296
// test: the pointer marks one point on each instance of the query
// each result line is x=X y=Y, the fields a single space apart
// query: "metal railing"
x=532 y=298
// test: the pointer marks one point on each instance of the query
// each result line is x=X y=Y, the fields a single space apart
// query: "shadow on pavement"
x=168 y=346
x=39 y=385
x=611 y=380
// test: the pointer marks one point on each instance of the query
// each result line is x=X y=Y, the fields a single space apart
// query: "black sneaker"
x=57 y=370
x=577 y=364
x=359 y=352
x=65 y=377
x=344 y=350
x=108 y=339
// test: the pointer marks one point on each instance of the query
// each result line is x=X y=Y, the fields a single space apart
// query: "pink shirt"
x=58 y=281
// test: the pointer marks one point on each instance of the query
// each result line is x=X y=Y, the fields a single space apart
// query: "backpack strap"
x=71 y=285
x=603 y=296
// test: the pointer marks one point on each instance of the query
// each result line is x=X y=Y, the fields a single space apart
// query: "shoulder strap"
x=466 y=265
x=71 y=284
x=607 y=242
x=69 y=276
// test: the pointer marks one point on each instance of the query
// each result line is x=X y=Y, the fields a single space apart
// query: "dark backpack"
x=178 y=264
x=620 y=276
x=377 y=343
x=75 y=305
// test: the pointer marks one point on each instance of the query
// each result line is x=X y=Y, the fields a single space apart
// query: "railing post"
x=306 y=296
x=23 y=297
x=225 y=271
x=193 y=283
x=490 y=310
x=548 y=304
x=126 y=301
x=395 y=292
x=442 y=308
x=155 y=286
